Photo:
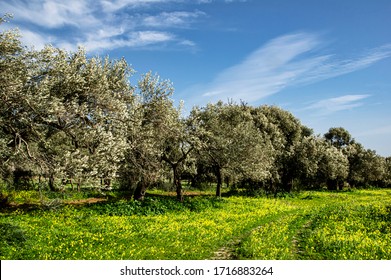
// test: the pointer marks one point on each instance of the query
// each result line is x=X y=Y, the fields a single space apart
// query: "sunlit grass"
x=311 y=225
x=331 y=226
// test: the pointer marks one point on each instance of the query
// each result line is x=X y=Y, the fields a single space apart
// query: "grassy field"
x=309 y=225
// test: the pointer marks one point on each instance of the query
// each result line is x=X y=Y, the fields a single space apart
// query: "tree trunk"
x=341 y=184
x=332 y=185
x=179 y=190
x=287 y=183
x=139 y=192
x=219 y=181
x=107 y=182
x=176 y=173
x=177 y=183
x=51 y=183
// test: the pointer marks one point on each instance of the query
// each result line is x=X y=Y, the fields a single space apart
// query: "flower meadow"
x=309 y=225
x=327 y=226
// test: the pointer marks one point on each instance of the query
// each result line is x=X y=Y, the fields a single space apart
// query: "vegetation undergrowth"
x=309 y=225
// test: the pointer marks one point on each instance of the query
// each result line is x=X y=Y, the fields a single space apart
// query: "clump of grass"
x=11 y=234
x=154 y=206
x=12 y=237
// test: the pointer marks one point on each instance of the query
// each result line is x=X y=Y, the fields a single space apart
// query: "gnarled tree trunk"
x=139 y=192
x=177 y=183
x=219 y=177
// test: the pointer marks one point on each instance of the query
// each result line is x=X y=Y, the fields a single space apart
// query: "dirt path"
x=90 y=200
x=51 y=204
x=229 y=251
x=297 y=248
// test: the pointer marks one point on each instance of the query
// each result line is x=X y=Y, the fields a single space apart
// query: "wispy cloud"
x=34 y=39
x=333 y=68
x=283 y=62
x=52 y=13
x=181 y=19
x=99 y=24
x=335 y=104
x=115 y=5
x=131 y=40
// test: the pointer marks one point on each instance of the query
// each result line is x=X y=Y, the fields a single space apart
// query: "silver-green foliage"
x=66 y=115
x=232 y=145
x=62 y=114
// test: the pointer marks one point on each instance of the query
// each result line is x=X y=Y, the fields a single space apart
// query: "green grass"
x=310 y=225
x=332 y=226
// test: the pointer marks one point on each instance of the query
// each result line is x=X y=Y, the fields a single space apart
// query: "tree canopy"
x=67 y=117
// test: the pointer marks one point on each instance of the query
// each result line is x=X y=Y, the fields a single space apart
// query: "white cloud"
x=335 y=104
x=147 y=37
x=188 y=43
x=283 y=62
x=98 y=25
x=34 y=39
x=132 y=40
x=115 y=5
x=180 y=19
x=52 y=13
x=336 y=68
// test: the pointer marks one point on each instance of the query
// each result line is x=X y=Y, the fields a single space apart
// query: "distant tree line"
x=66 y=118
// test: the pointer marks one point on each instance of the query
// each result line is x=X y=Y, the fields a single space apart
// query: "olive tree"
x=62 y=114
x=285 y=132
x=366 y=167
x=339 y=137
x=387 y=175
x=81 y=103
x=180 y=141
x=152 y=121
x=16 y=133
x=318 y=162
x=231 y=143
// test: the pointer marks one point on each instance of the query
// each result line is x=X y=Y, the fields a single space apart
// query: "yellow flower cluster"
x=312 y=225
x=327 y=226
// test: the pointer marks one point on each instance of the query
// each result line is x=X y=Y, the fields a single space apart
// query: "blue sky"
x=328 y=61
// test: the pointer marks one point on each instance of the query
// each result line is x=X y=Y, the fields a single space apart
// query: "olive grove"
x=69 y=119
